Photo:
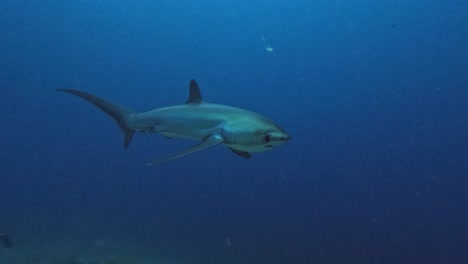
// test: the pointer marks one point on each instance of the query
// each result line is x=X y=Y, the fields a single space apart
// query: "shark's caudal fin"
x=120 y=114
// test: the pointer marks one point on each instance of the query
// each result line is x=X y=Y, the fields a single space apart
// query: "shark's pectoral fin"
x=210 y=141
x=243 y=154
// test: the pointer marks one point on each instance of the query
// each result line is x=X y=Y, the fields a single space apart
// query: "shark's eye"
x=267 y=138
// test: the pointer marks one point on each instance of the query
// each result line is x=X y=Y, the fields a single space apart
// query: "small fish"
x=5 y=241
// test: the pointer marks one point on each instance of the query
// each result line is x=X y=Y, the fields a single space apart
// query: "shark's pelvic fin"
x=210 y=141
x=120 y=114
x=243 y=154
x=194 y=94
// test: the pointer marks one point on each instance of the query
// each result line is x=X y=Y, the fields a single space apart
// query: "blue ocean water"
x=374 y=94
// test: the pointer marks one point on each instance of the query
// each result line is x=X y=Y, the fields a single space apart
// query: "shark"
x=240 y=130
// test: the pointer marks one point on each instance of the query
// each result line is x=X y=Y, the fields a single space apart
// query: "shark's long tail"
x=121 y=115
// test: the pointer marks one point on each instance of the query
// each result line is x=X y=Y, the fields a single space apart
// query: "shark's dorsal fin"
x=194 y=94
